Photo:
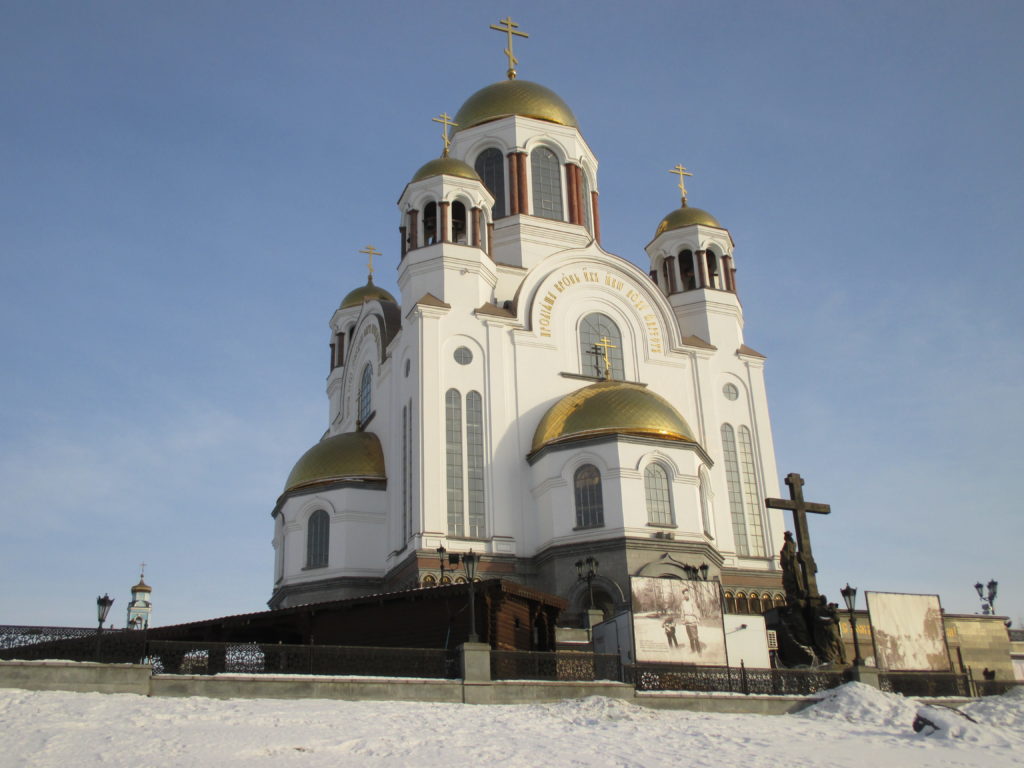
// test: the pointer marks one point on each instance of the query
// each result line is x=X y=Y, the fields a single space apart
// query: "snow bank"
x=860 y=703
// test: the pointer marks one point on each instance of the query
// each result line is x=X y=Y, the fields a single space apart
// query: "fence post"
x=972 y=686
x=743 y=678
x=476 y=662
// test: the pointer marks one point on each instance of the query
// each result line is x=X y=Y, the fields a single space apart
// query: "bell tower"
x=141 y=606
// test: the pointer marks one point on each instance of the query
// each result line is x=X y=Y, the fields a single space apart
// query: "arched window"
x=659 y=501
x=732 y=478
x=547 y=184
x=318 y=537
x=490 y=164
x=704 y=488
x=741 y=603
x=755 y=604
x=430 y=580
x=714 y=279
x=589 y=503
x=588 y=212
x=430 y=223
x=751 y=496
x=730 y=603
x=593 y=329
x=475 y=463
x=460 y=229
x=668 y=269
x=780 y=600
x=364 y=402
x=686 y=270
x=453 y=451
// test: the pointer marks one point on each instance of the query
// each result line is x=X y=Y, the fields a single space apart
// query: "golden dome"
x=685 y=217
x=348 y=456
x=448 y=166
x=611 y=407
x=368 y=292
x=514 y=97
x=142 y=586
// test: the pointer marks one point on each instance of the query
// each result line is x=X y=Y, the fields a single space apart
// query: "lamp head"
x=103 y=607
x=849 y=596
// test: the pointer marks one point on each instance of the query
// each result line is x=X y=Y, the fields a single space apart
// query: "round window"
x=463 y=356
x=730 y=391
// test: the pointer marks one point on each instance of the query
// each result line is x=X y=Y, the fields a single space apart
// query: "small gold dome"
x=142 y=586
x=514 y=97
x=611 y=407
x=368 y=292
x=448 y=166
x=348 y=456
x=685 y=217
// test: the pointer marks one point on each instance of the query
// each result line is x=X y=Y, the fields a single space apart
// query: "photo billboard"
x=678 y=621
x=908 y=632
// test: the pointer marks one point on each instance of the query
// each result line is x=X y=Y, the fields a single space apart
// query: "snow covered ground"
x=853 y=726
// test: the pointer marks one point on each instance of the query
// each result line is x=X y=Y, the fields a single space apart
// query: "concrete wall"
x=981 y=641
x=134 y=678
x=75 y=676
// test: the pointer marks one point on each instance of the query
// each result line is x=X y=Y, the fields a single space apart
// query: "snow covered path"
x=856 y=726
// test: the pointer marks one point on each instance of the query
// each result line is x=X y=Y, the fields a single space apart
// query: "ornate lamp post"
x=586 y=570
x=988 y=602
x=697 y=573
x=469 y=562
x=102 y=609
x=441 y=551
x=850 y=598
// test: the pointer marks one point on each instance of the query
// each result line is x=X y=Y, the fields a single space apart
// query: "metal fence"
x=925 y=683
x=71 y=643
x=561 y=665
x=685 y=677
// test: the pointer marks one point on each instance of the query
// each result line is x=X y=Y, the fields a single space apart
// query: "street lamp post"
x=988 y=602
x=102 y=609
x=586 y=570
x=469 y=562
x=697 y=573
x=850 y=598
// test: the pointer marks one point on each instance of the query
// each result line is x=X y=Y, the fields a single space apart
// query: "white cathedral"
x=531 y=396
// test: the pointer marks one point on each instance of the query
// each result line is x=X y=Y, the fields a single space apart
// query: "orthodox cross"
x=370 y=252
x=800 y=508
x=142 y=570
x=510 y=29
x=681 y=172
x=445 y=119
x=605 y=344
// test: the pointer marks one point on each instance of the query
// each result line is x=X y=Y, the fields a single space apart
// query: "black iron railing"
x=72 y=643
x=685 y=677
x=994 y=687
x=925 y=683
x=563 y=665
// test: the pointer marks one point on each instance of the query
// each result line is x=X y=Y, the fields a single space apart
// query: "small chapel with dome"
x=532 y=397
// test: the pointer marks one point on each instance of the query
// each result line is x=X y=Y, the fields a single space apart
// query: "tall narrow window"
x=453 y=450
x=430 y=224
x=597 y=330
x=744 y=499
x=714 y=279
x=460 y=229
x=668 y=268
x=490 y=164
x=547 y=184
x=365 y=382
x=318 y=536
x=686 y=270
x=406 y=485
x=656 y=489
x=751 y=497
x=475 y=463
x=589 y=503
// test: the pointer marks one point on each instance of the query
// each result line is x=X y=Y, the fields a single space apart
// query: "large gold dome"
x=348 y=456
x=368 y=292
x=514 y=97
x=448 y=166
x=685 y=217
x=611 y=407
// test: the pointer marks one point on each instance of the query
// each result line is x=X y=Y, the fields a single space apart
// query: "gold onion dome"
x=348 y=456
x=685 y=217
x=368 y=292
x=611 y=407
x=142 y=586
x=448 y=166
x=514 y=97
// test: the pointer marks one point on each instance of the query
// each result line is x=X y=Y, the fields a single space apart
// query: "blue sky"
x=184 y=188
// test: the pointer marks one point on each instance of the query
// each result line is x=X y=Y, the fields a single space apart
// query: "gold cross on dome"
x=605 y=344
x=681 y=172
x=370 y=251
x=445 y=119
x=511 y=29
x=142 y=570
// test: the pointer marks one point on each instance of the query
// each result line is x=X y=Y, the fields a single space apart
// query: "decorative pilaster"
x=597 y=217
x=474 y=237
x=513 y=183
x=413 y=230
x=443 y=209
x=570 y=193
x=524 y=199
x=702 y=268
